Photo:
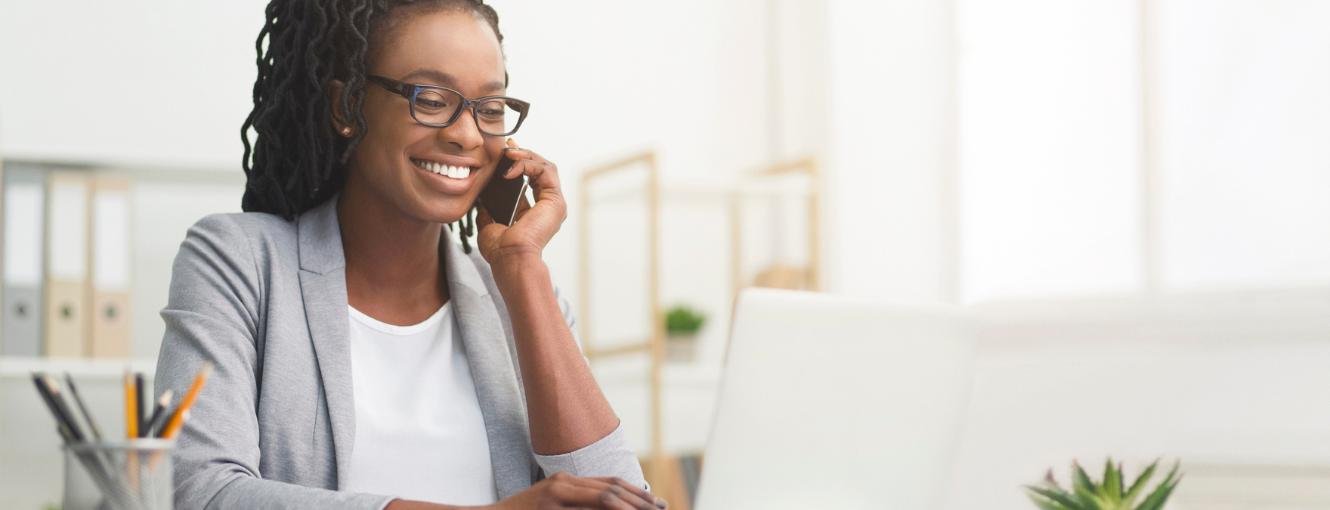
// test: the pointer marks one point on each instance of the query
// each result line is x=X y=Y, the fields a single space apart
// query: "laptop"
x=837 y=403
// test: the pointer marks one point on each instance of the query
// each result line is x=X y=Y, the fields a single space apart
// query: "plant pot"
x=681 y=348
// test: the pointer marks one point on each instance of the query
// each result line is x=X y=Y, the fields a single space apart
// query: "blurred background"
x=1132 y=195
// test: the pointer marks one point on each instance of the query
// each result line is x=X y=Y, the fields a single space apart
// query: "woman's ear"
x=340 y=123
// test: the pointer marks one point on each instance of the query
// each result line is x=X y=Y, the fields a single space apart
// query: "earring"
x=346 y=131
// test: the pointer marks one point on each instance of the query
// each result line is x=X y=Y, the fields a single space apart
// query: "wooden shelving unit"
x=662 y=473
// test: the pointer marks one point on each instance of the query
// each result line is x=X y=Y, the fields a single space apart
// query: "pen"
x=61 y=426
x=73 y=391
x=177 y=419
x=63 y=407
x=158 y=414
x=142 y=415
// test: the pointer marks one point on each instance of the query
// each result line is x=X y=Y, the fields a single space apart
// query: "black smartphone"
x=502 y=196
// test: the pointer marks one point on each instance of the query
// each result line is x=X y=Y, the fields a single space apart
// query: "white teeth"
x=455 y=172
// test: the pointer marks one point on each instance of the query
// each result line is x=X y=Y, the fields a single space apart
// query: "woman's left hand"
x=533 y=225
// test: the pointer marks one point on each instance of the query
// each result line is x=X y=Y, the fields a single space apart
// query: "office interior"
x=1130 y=195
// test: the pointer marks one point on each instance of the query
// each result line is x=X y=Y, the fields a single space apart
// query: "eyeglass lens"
x=494 y=117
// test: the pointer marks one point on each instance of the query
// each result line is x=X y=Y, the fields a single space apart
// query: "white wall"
x=133 y=81
x=1050 y=148
x=892 y=149
x=1246 y=172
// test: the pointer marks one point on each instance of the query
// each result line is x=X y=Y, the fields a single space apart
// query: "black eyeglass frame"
x=409 y=91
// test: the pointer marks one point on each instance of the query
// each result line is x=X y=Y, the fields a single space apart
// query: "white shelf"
x=85 y=368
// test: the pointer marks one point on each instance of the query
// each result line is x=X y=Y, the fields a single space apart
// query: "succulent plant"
x=1111 y=493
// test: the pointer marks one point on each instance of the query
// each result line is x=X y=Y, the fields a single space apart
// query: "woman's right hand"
x=563 y=490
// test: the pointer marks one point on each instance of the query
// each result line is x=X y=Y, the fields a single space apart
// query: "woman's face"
x=449 y=49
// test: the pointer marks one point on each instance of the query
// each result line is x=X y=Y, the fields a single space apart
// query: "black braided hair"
x=297 y=160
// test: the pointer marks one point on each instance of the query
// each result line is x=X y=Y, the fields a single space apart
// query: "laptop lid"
x=834 y=402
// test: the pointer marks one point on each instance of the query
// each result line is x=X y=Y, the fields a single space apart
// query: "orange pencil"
x=178 y=417
x=131 y=406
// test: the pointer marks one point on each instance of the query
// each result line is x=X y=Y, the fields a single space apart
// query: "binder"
x=108 y=310
x=23 y=258
x=67 y=289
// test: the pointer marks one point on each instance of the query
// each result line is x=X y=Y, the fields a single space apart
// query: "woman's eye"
x=430 y=103
x=492 y=113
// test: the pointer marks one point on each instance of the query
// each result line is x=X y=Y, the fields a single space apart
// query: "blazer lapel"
x=493 y=370
x=323 y=287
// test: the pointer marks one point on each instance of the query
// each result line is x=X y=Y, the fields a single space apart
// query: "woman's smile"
x=451 y=175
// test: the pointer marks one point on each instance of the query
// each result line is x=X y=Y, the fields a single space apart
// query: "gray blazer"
x=264 y=300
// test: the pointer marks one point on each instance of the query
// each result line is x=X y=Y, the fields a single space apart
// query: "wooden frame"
x=806 y=166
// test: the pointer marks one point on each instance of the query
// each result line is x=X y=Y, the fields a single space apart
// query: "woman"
x=363 y=359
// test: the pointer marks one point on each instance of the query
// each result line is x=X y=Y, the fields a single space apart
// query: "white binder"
x=23 y=258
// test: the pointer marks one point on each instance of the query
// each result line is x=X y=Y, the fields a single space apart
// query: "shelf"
x=673 y=375
x=753 y=187
x=85 y=368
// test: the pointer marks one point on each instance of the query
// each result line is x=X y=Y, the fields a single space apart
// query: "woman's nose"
x=464 y=132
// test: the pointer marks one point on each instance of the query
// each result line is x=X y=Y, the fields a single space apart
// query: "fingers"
x=619 y=492
x=541 y=172
x=636 y=491
x=572 y=496
x=577 y=492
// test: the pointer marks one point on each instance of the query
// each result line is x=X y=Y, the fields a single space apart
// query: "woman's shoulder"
x=233 y=229
x=242 y=236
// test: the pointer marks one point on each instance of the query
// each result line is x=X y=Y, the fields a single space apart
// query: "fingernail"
x=660 y=503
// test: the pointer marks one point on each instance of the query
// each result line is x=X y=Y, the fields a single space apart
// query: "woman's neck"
x=393 y=272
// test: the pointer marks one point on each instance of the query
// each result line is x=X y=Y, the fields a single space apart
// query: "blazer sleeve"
x=213 y=315
x=611 y=456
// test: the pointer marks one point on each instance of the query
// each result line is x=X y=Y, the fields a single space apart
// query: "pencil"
x=131 y=408
x=63 y=406
x=142 y=413
x=73 y=391
x=178 y=418
x=60 y=425
x=158 y=414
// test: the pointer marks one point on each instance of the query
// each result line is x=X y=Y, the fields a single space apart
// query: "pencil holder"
x=119 y=475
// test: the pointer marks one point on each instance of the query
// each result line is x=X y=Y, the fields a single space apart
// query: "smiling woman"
x=363 y=358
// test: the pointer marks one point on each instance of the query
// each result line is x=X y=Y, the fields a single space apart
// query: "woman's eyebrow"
x=446 y=79
x=431 y=74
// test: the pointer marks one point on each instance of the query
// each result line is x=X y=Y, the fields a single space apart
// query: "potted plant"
x=681 y=327
x=1111 y=493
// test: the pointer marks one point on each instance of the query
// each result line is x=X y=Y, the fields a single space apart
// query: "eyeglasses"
x=440 y=107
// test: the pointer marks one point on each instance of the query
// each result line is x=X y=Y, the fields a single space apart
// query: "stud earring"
x=346 y=131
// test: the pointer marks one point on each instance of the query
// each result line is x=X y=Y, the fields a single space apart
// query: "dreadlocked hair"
x=297 y=160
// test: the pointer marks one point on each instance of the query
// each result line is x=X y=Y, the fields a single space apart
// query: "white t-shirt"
x=419 y=431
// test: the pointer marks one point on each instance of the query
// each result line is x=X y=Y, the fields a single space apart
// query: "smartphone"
x=502 y=196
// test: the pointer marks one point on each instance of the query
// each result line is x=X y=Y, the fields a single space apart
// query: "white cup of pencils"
x=111 y=473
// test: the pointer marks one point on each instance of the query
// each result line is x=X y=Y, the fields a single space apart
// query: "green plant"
x=682 y=320
x=1108 y=494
